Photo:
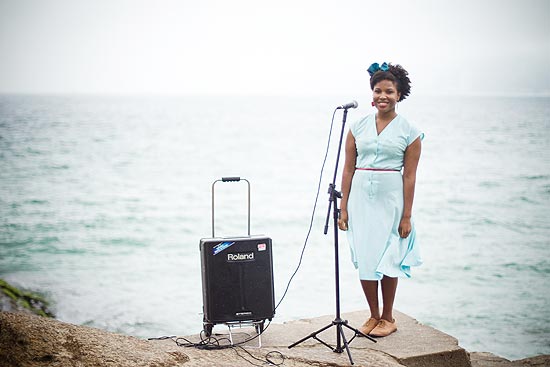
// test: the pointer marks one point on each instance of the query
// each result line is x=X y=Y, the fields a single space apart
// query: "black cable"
x=208 y=342
x=267 y=359
x=313 y=212
x=279 y=354
x=213 y=343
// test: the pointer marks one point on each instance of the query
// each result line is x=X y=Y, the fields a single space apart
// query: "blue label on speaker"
x=222 y=246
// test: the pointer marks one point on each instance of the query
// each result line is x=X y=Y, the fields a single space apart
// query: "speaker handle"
x=230 y=179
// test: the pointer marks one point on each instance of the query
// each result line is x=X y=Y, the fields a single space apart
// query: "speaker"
x=237 y=279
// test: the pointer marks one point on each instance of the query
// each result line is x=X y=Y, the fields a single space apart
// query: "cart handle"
x=230 y=179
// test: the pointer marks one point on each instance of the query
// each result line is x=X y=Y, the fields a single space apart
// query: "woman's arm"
x=412 y=156
x=347 y=176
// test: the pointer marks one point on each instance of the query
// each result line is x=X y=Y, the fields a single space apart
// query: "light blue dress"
x=375 y=203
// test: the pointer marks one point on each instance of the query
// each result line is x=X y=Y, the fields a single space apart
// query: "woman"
x=377 y=199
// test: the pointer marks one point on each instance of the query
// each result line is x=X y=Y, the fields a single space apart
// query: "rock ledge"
x=33 y=341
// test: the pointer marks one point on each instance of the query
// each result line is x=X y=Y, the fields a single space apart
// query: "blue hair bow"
x=375 y=67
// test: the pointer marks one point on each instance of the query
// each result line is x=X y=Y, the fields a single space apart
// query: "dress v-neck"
x=385 y=127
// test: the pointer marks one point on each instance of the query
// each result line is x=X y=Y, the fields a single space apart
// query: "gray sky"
x=272 y=47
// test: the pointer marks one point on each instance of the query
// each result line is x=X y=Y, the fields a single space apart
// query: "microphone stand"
x=341 y=341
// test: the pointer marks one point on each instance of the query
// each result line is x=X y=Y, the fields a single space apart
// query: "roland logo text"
x=242 y=256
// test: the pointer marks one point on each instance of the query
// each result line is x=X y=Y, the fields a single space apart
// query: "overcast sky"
x=272 y=47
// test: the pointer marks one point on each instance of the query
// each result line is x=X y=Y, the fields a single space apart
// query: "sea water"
x=103 y=201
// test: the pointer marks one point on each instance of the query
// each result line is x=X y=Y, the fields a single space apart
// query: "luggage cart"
x=237 y=277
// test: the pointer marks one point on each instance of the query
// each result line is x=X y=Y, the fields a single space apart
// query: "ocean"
x=103 y=201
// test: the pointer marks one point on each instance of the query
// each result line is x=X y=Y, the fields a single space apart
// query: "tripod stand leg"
x=339 y=348
x=312 y=335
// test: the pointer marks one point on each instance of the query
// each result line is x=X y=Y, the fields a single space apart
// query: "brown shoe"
x=384 y=328
x=367 y=327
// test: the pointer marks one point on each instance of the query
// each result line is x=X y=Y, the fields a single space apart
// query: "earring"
x=372 y=103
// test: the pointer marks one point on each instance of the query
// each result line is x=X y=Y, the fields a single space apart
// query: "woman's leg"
x=386 y=326
x=389 y=287
x=370 y=288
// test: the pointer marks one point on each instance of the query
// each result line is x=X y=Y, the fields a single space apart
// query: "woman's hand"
x=405 y=227
x=343 y=220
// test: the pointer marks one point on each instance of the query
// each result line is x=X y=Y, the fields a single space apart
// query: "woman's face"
x=385 y=95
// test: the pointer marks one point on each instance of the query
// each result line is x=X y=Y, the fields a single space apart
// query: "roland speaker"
x=237 y=279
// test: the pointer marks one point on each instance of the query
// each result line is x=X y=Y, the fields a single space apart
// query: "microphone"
x=352 y=104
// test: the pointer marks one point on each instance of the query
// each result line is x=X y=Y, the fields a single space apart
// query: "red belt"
x=378 y=169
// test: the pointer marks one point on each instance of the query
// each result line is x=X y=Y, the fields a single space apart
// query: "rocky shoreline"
x=35 y=341
x=27 y=338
